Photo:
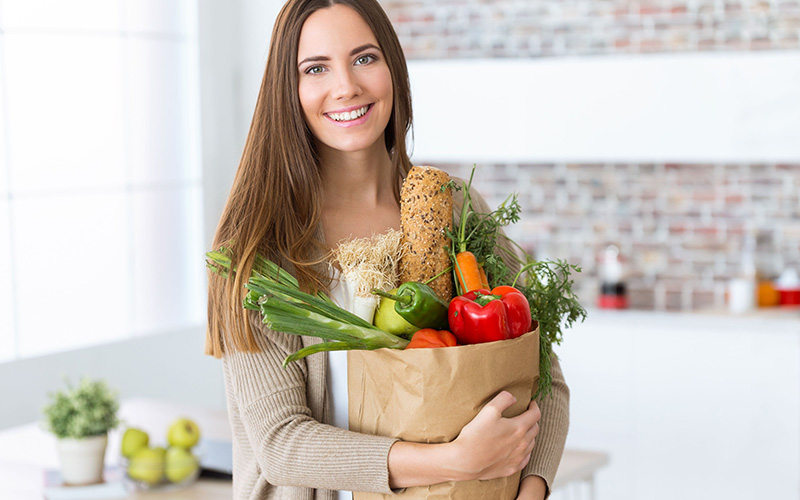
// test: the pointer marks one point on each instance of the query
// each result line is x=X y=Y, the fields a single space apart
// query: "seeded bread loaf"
x=425 y=212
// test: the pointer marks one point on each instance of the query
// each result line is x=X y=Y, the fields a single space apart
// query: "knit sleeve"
x=553 y=428
x=290 y=446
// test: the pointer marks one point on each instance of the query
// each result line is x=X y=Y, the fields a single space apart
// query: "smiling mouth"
x=347 y=116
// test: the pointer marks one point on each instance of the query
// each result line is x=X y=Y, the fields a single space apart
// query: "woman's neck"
x=356 y=179
x=358 y=194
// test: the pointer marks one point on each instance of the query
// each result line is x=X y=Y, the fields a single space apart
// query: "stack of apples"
x=156 y=465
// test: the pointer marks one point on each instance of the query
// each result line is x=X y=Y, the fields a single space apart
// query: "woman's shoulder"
x=267 y=339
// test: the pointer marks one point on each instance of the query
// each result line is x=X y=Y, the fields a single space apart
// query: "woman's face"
x=344 y=84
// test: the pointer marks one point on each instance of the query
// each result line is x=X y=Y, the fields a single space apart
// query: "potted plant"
x=80 y=418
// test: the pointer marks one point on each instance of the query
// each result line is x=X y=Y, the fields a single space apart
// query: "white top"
x=337 y=370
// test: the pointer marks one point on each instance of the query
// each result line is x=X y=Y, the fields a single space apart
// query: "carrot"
x=465 y=266
x=484 y=279
x=468 y=272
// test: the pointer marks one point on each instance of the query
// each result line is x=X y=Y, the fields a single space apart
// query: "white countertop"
x=709 y=397
x=27 y=450
x=772 y=320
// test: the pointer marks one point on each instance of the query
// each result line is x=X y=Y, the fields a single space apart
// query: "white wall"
x=144 y=35
x=233 y=39
x=697 y=107
x=221 y=118
x=169 y=366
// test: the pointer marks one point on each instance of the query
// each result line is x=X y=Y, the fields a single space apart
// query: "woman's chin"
x=356 y=145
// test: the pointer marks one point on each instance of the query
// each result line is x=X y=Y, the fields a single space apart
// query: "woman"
x=324 y=160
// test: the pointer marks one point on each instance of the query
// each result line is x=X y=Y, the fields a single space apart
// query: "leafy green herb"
x=546 y=284
x=548 y=287
x=478 y=232
x=90 y=409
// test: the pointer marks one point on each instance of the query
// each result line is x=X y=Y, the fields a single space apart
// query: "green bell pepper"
x=418 y=304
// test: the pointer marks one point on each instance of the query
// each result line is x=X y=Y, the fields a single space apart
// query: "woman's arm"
x=532 y=488
x=289 y=444
x=294 y=449
x=555 y=424
x=488 y=447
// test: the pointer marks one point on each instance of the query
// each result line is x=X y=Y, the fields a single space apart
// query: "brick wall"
x=545 y=28
x=680 y=227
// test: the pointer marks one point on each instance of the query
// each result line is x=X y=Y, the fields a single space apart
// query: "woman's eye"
x=365 y=59
x=314 y=70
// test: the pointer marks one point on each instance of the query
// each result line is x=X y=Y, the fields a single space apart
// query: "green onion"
x=285 y=308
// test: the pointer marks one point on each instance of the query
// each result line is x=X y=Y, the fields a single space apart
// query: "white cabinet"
x=687 y=405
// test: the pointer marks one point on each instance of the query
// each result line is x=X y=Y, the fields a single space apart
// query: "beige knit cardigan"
x=284 y=446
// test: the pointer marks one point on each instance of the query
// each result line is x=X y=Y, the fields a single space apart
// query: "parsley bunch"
x=548 y=288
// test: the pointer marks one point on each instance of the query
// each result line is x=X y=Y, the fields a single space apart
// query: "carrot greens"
x=546 y=284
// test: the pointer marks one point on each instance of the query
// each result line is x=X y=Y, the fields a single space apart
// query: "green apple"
x=180 y=464
x=133 y=440
x=147 y=465
x=389 y=320
x=184 y=433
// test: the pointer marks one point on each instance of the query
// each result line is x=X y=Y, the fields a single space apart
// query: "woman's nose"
x=346 y=85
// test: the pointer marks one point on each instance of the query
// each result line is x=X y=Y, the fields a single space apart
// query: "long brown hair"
x=275 y=202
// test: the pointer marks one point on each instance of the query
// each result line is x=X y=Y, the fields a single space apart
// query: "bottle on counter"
x=742 y=288
x=768 y=266
x=788 y=286
x=613 y=294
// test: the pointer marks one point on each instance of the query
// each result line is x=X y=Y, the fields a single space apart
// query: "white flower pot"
x=82 y=460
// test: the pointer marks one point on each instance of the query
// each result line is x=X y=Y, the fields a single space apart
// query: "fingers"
x=535 y=407
x=529 y=417
x=530 y=437
x=525 y=461
x=501 y=402
x=498 y=446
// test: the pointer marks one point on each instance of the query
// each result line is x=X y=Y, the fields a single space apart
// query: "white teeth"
x=351 y=115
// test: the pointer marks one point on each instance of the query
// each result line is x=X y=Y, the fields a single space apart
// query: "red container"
x=613 y=296
x=790 y=297
x=612 y=302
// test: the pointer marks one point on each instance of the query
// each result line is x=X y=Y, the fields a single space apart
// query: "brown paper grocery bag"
x=428 y=395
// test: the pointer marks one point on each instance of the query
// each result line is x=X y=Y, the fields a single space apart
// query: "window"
x=100 y=177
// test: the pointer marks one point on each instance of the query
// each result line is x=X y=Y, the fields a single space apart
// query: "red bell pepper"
x=483 y=316
x=428 y=337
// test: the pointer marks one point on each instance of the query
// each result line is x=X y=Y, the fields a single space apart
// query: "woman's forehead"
x=333 y=31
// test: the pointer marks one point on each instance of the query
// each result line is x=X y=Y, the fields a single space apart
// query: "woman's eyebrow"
x=364 y=47
x=353 y=52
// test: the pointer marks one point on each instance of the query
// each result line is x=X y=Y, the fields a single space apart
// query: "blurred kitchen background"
x=664 y=134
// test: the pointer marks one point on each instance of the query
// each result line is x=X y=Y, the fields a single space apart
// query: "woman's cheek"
x=309 y=96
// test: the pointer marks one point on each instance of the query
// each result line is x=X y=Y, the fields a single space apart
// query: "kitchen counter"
x=784 y=319
x=27 y=451
x=688 y=405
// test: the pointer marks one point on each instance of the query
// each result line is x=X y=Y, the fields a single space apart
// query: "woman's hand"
x=488 y=447
x=532 y=488
x=491 y=446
